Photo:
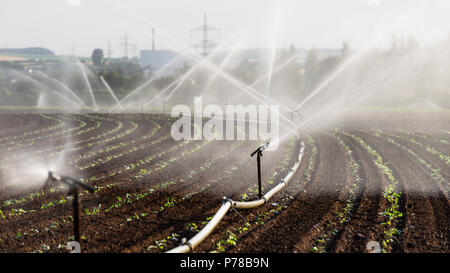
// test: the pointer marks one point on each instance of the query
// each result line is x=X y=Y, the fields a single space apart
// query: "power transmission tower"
x=125 y=44
x=206 y=29
x=109 y=53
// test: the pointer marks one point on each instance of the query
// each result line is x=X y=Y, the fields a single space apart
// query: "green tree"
x=345 y=50
x=97 y=56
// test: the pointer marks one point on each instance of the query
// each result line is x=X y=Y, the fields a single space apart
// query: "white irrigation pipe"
x=227 y=204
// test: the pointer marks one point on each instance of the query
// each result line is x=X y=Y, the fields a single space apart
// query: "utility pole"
x=205 y=29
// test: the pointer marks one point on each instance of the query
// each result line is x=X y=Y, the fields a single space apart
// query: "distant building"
x=154 y=60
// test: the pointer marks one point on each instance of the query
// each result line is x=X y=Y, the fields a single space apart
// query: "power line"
x=206 y=29
x=125 y=45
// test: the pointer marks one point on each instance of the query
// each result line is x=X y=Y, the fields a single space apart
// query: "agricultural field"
x=369 y=178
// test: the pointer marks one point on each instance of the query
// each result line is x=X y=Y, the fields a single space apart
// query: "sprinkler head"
x=73 y=184
x=260 y=149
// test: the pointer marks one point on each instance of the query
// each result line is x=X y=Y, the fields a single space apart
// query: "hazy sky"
x=89 y=24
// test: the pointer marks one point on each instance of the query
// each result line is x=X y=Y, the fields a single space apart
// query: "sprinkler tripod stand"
x=259 y=154
x=74 y=188
x=164 y=106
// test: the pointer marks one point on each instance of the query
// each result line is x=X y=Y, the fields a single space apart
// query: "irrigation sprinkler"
x=259 y=154
x=295 y=115
x=74 y=188
x=164 y=106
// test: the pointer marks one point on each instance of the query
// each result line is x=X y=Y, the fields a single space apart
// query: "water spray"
x=74 y=188
x=259 y=154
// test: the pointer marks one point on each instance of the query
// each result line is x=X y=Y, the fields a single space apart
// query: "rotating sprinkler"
x=259 y=154
x=164 y=106
x=74 y=188
x=295 y=114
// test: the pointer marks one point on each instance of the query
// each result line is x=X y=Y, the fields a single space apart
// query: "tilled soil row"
x=295 y=228
x=433 y=159
x=199 y=207
x=70 y=125
x=114 y=216
x=235 y=219
x=180 y=190
x=18 y=127
x=37 y=202
x=155 y=224
x=11 y=195
x=439 y=143
x=426 y=227
x=49 y=144
x=364 y=224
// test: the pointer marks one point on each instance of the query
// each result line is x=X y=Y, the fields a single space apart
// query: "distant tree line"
x=121 y=76
x=27 y=51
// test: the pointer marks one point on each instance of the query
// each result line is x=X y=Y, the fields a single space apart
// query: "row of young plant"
x=442 y=156
x=196 y=227
x=19 y=211
x=391 y=214
x=51 y=150
x=344 y=214
x=29 y=196
x=34 y=152
x=252 y=222
x=133 y=149
x=163 y=244
x=232 y=235
x=432 y=172
x=31 y=156
x=156 y=127
x=136 y=166
x=171 y=202
x=58 y=134
x=122 y=170
x=60 y=149
x=59 y=124
x=117 y=136
x=131 y=198
x=92 y=141
x=94 y=210
x=140 y=164
x=425 y=135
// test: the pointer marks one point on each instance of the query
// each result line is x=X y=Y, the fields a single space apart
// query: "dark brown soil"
x=149 y=206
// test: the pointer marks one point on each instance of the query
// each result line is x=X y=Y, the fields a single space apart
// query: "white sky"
x=58 y=24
